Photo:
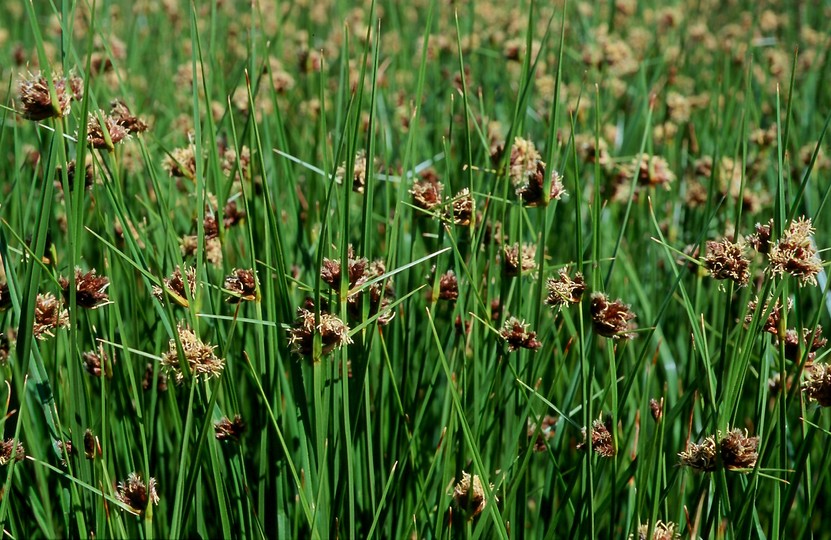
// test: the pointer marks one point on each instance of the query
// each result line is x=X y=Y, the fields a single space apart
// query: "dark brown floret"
x=701 y=457
x=330 y=272
x=359 y=174
x=795 y=253
x=448 y=286
x=612 y=319
x=602 y=441
x=175 y=286
x=5 y=297
x=229 y=430
x=656 y=408
x=427 y=194
x=726 y=260
x=11 y=449
x=516 y=335
x=136 y=494
x=516 y=262
x=771 y=325
x=464 y=208
x=70 y=176
x=89 y=289
x=793 y=343
x=232 y=214
x=96 y=136
x=760 y=240
x=334 y=333
x=95 y=362
x=738 y=451
x=147 y=380
x=469 y=495
x=546 y=432
x=242 y=283
x=565 y=290
x=181 y=162
x=92 y=446
x=121 y=114
x=49 y=315
x=7 y=338
x=200 y=357
x=37 y=103
x=817 y=384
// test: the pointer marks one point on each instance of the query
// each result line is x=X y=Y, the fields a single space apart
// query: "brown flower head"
x=229 y=430
x=612 y=319
x=136 y=494
x=181 y=162
x=49 y=315
x=37 y=103
x=516 y=335
x=526 y=162
x=817 y=384
x=358 y=269
x=602 y=441
x=546 y=431
x=200 y=357
x=7 y=338
x=701 y=457
x=427 y=193
x=11 y=449
x=232 y=214
x=795 y=253
x=92 y=446
x=147 y=379
x=359 y=175
x=95 y=362
x=175 y=286
x=448 y=286
x=565 y=290
x=71 y=167
x=97 y=136
x=662 y=531
x=760 y=240
x=515 y=262
x=590 y=151
x=738 y=451
x=464 y=208
x=793 y=343
x=121 y=114
x=334 y=333
x=726 y=260
x=469 y=495
x=89 y=289
x=771 y=324
x=5 y=297
x=242 y=284
x=656 y=408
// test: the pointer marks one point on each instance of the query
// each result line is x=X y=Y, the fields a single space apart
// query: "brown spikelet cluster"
x=5 y=297
x=229 y=429
x=527 y=174
x=726 y=260
x=334 y=333
x=49 y=315
x=771 y=324
x=427 y=193
x=795 y=253
x=760 y=240
x=147 y=379
x=361 y=271
x=36 y=102
x=97 y=362
x=242 y=284
x=661 y=531
x=817 y=384
x=546 y=431
x=181 y=162
x=121 y=114
x=463 y=208
x=448 y=286
x=601 y=437
x=656 y=409
x=518 y=261
x=174 y=286
x=11 y=449
x=105 y=136
x=795 y=341
x=516 y=335
x=469 y=495
x=565 y=290
x=612 y=319
x=736 y=449
x=90 y=289
x=92 y=446
x=201 y=361
x=71 y=167
x=359 y=175
x=592 y=149
x=137 y=494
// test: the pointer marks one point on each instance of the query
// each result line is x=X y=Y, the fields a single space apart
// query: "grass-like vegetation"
x=414 y=270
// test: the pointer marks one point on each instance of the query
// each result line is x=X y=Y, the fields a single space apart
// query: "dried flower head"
x=525 y=163
x=95 y=362
x=516 y=262
x=5 y=297
x=147 y=379
x=602 y=441
x=229 y=430
x=36 y=101
x=760 y=240
x=546 y=432
x=175 y=286
x=89 y=289
x=242 y=284
x=565 y=290
x=516 y=335
x=771 y=324
x=98 y=138
x=793 y=343
x=591 y=149
x=232 y=214
x=469 y=495
x=181 y=162
x=49 y=316
x=726 y=260
x=358 y=268
x=92 y=446
x=464 y=208
x=11 y=449
x=817 y=384
x=795 y=253
x=71 y=167
x=448 y=286
x=654 y=171
x=701 y=457
x=136 y=494
x=662 y=531
x=200 y=358
x=121 y=114
x=359 y=174
x=334 y=333
x=738 y=451
x=656 y=408
x=612 y=319
x=427 y=193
